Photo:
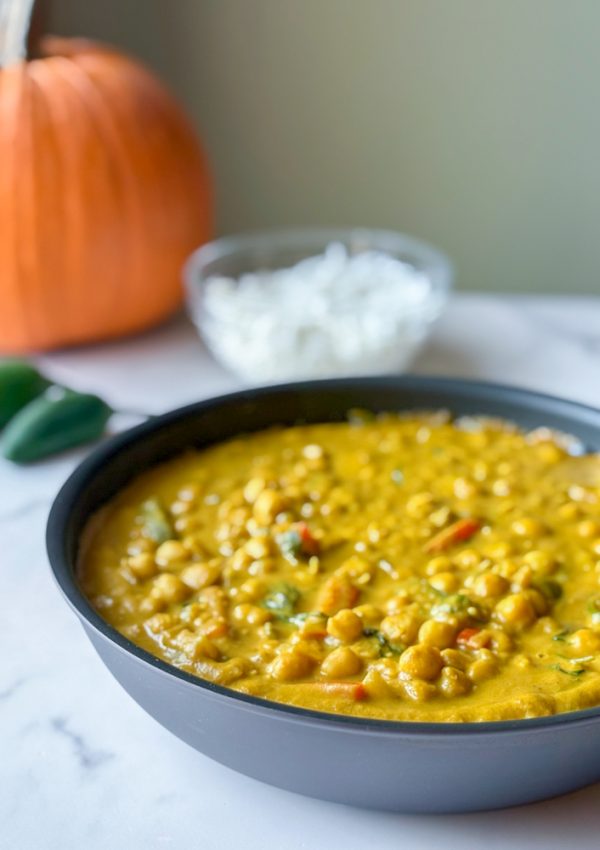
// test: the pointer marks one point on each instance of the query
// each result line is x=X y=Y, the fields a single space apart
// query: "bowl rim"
x=78 y=480
x=441 y=270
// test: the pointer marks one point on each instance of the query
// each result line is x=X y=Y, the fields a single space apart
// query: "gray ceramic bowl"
x=410 y=767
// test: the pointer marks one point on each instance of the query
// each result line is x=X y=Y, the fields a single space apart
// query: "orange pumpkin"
x=104 y=191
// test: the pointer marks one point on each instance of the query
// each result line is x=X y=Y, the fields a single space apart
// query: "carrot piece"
x=337 y=592
x=465 y=637
x=461 y=530
x=309 y=544
x=473 y=638
x=350 y=690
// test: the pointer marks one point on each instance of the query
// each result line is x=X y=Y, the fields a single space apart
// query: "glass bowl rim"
x=434 y=263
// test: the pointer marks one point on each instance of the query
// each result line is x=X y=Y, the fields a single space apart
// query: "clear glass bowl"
x=263 y=341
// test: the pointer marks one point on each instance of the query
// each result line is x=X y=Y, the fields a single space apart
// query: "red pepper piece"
x=309 y=544
x=350 y=690
x=461 y=530
x=466 y=636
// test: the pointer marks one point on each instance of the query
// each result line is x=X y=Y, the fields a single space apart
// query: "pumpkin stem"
x=15 y=16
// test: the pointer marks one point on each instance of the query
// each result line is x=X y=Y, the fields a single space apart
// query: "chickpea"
x=142 y=565
x=542 y=563
x=215 y=627
x=314 y=457
x=262 y=567
x=528 y=527
x=547 y=626
x=467 y=559
x=437 y=633
x=258 y=547
x=481 y=470
x=266 y=507
x=521 y=662
x=357 y=569
x=439 y=564
x=179 y=508
x=498 y=551
x=455 y=658
x=397 y=603
x=215 y=599
x=445 y=582
x=194 y=545
x=588 y=528
x=369 y=614
x=186 y=524
x=501 y=487
x=521 y=578
x=345 y=626
x=484 y=666
x=516 y=611
x=418 y=690
x=419 y=505
x=139 y=545
x=251 y=590
x=464 y=489
x=151 y=604
x=312 y=452
x=202 y=575
x=577 y=493
x=232 y=670
x=403 y=626
x=549 y=453
x=253 y=489
x=453 y=682
x=169 y=588
x=340 y=663
x=421 y=662
x=240 y=560
x=171 y=554
x=189 y=492
x=196 y=646
x=440 y=517
x=490 y=584
x=585 y=641
x=568 y=511
x=500 y=641
x=376 y=684
x=290 y=665
x=159 y=623
x=507 y=568
x=387 y=667
x=538 y=600
x=250 y=615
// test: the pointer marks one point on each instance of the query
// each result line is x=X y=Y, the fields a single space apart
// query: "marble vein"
x=10 y=690
x=88 y=757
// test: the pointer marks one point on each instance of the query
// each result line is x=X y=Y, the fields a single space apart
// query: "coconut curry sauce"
x=395 y=567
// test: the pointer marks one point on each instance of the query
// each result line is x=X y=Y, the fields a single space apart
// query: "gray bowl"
x=408 y=767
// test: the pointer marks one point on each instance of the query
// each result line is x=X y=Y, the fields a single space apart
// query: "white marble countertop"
x=81 y=765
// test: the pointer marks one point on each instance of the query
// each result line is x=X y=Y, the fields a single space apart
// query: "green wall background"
x=472 y=123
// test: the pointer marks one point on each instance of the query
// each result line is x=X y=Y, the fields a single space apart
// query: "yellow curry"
x=401 y=567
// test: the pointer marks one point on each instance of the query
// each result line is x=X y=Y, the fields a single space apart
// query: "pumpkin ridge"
x=14 y=306
x=173 y=131
x=126 y=211
x=142 y=157
x=48 y=214
x=21 y=174
x=63 y=105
